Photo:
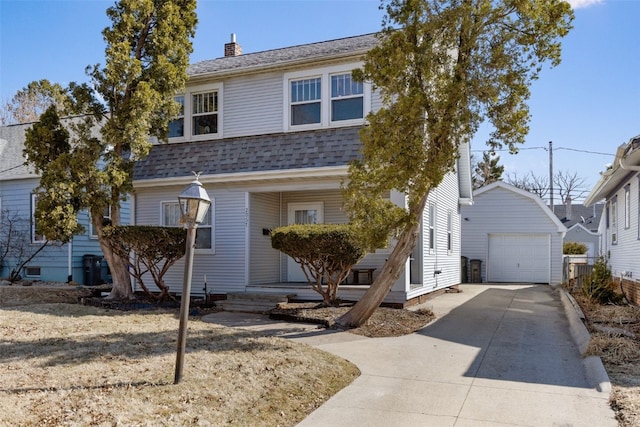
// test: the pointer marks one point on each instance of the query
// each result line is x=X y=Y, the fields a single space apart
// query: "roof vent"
x=232 y=48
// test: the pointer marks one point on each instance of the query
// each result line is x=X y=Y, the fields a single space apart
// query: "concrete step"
x=252 y=302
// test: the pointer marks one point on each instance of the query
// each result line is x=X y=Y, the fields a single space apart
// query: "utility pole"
x=551 y=175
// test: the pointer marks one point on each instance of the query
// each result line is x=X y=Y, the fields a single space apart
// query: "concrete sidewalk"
x=498 y=355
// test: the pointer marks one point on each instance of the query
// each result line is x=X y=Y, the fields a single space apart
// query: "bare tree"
x=570 y=186
x=536 y=184
x=16 y=248
x=30 y=102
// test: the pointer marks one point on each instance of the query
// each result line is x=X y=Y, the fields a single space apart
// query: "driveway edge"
x=595 y=370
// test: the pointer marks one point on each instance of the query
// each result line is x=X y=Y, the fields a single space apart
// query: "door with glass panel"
x=302 y=213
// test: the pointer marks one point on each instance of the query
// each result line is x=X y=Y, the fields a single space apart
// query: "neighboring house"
x=55 y=262
x=513 y=234
x=272 y=134
x=582 y=225
x=620 y=224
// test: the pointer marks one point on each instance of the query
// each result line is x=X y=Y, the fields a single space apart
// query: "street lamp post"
x=194 y=203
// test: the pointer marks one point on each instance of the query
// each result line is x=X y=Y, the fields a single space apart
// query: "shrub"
x=156 y=249
x=598 y=286
x=574 y=248
x=325 y=252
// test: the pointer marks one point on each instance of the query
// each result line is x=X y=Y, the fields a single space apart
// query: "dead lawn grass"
x=75 y=365
x=615 y=338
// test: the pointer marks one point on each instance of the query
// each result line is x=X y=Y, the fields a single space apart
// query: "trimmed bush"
x=325 y=252
x=574 y=248
x=156 y=249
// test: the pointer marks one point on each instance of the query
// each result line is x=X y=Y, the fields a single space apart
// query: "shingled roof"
x=12 y=161
x=289 y=55
x=281 y=151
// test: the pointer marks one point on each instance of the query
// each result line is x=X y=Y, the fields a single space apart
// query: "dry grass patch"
x=74 y=365
x=615 y=338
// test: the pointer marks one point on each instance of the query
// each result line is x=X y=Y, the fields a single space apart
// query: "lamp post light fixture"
x=194 y=203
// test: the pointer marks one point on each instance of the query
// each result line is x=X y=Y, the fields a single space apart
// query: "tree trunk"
x=121 y=288
x=373 y=297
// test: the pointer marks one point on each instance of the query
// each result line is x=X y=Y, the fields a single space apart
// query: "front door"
x=302 y=213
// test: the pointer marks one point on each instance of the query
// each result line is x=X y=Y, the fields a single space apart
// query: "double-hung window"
x=325 y=97
x=35 y=237
x=347 y=98
x=204 y=113
x=176 y=126
x=449 y=231
x=106 y=219
x=306 y=95
x=204 y=233
x=614 y=220
x=627 y=206
x=432 y=227
x=199 y=116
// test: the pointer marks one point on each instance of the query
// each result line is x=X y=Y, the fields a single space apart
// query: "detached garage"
x=514 y=234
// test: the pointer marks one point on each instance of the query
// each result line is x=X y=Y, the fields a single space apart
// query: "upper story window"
x=325 y=97
x=204 y=232
x=305 y=101
x=204 y=113
x=199 y=116
x=176 y=126
x=347 y=98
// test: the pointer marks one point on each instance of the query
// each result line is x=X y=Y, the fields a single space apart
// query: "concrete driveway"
x=498 y=355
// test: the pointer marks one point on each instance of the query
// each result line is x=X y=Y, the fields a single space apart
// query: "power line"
x=7 y=170
x=546 y=149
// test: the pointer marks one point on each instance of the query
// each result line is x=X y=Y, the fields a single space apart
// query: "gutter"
x=322 y=172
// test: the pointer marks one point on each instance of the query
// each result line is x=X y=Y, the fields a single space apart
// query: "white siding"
x=264 y=266
x=503 y=211
x=445 y=200
x=623 y=256
x=253 y=105
x=225 y=269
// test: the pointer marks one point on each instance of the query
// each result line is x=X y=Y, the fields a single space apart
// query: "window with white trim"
x=35 y=237
x=432 y=227
x=306 y=95
x=204 y=233
x=627 y=206
x=204 y=113
x=347 y=98
x=199 y=117
x=325 y=97
x=106 y=219
x=449 y=231
x=614 y=220
x=176 y=126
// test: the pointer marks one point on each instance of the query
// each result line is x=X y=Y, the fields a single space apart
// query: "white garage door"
x=519 y=258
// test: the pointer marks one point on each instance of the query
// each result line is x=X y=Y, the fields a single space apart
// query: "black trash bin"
x=464 y=272
x=476 y=269
x=92 y=269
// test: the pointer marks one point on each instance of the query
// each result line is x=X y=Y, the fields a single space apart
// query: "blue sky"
x=589 y=104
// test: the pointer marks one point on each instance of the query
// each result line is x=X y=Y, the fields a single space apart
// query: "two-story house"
x=272 y=134
x=79 y=261
x=619 y=227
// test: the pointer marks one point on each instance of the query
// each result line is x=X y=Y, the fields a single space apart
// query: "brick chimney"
x=568 y=202
x=233 y=48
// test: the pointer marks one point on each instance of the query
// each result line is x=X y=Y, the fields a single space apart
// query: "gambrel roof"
x=262 y=153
